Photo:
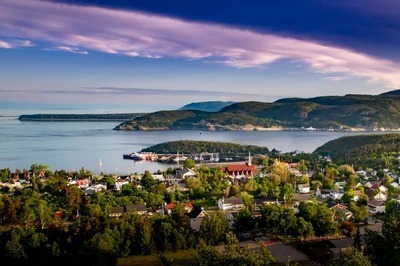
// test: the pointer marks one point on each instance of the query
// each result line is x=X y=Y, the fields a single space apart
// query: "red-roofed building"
x=186 y=205
x=240 y=170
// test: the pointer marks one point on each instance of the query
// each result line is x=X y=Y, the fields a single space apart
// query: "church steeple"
x=249 y=160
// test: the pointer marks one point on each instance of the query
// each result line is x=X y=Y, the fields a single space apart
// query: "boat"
x=134 y=156
x=179 y=158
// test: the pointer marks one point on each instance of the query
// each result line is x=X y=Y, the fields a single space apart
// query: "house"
x=357 y=195
x=81 y=183
x=234 y=203
x=299 y=197
x=159 y=178
x=95 y=188
x=120 y=210
x=117 y=211
x=304 y=188
x=196 y=217
x=240 y=170
x=373 y=184
x=187 y=206
x=376 y=206
x=323 y=193
x=340 y=209
x=372 y=194
x=341 y=184
x=336 y=194
x=339 y=246
x=383 y=189
x=361 y=173
x=139 y=208
x=119 y=183
x=265 y=201
x=185 y=173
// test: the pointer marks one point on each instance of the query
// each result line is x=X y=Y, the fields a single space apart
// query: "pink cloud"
x=15 y=43
x=134 y=34
x=73 y=50
x=5 y=45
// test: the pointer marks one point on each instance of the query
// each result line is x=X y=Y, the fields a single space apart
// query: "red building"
x=242 y=170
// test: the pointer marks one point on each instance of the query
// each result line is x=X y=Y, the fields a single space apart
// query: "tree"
x=233 y=254
x=8 y=212
x=148 y=181
x=353 y=257
x=346 y=170
x=248 y=199
x=162 y=234
x=286 y=192
x=213 y=228
x=73 y=197
x=244 y=220
x=189 y=163
x=301 y=166
x=384 y=247
x=234 y=190
x=320 y=216
x=303 y=228
x=102 y=246
x=13 y=248
x=178 y=215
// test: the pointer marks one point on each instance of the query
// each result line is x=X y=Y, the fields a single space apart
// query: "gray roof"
x=194 y=213
x=235 y=200
x=137 y=208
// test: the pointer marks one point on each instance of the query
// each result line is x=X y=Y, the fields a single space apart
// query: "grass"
x=179 y=258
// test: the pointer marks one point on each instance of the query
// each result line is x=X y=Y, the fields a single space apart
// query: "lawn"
x=179 y=258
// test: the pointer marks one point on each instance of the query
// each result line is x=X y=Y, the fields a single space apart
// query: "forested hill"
x=79 y=117
x=350 y=112
x=211 y=106
x=356 y=149
x=190 y=147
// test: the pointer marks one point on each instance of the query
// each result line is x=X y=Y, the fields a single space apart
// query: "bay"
x=73 y=145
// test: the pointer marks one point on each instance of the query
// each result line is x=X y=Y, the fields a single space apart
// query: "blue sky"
x=152 y=55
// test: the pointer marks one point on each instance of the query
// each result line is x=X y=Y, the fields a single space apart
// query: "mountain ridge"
x=349 y=113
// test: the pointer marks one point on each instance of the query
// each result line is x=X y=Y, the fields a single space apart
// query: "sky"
x=157 y=55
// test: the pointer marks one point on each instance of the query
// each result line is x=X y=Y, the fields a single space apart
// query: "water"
x=73 y=145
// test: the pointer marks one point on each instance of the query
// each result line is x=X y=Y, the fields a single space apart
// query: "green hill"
x=190 y=147
x=350 y=112
x=362 y=148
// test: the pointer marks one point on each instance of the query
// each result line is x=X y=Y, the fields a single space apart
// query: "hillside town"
x=292 y=208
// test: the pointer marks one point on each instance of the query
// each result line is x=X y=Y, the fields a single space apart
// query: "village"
x=246 y=194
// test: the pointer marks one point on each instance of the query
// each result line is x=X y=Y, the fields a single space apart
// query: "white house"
x=341 y=184
x=380 y=196
x=336 y=194
x=159 y=178
x=376 y=206
x=196 y=217
x=95 y=188
x=323 y=193
x=230 y=203
x=383 y=189
x=120 y=182
x=304 y=188
x=185 y=173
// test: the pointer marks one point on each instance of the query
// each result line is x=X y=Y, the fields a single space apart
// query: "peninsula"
x=333 y=113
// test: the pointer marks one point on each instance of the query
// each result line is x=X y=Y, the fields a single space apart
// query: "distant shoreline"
x=117 y=117
x=123 y=117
